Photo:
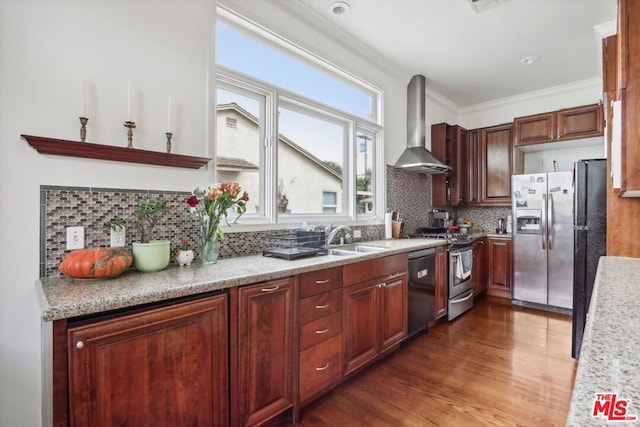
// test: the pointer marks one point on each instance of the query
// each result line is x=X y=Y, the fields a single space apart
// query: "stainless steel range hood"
x=416 y=158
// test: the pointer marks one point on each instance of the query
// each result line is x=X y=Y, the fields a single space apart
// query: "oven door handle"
x=456 y=301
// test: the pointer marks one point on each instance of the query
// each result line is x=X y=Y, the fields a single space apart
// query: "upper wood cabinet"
x=450 y=144
x=571 y=123
x=535 y=129
x=473 y=167
x=163 y=366
x=495 y=162
x=628 y=59
x=581 y=122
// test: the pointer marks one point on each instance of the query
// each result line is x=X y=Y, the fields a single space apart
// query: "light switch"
x=75 y=238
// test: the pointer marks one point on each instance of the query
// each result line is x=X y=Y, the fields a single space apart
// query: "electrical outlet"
x=119 y=237
x=357 y=234
x=75 y=238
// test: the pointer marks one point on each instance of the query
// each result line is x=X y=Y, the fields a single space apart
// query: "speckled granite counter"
x=610 y=354
x=65 y=297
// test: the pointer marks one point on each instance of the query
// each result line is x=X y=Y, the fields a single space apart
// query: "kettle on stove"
x=502 y=226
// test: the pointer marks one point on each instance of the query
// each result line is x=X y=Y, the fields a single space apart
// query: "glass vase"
x=209 y=250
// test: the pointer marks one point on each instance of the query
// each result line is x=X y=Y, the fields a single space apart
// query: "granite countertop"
x=610 y=354
x=65 y=297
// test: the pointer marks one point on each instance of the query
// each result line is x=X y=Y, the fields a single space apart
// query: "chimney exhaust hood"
x=416 y=158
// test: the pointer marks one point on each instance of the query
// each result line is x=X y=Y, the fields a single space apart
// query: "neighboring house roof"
x=281 y=138
x=233 y=163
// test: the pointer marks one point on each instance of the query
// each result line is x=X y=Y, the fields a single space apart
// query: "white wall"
x=47 y=50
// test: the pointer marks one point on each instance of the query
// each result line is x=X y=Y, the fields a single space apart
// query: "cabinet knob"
x=79 y=345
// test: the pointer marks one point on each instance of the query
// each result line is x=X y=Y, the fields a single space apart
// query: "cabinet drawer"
x=320 y=305
x=319 y=330
x=320 y=368
x=316 y=282
x=359 y=272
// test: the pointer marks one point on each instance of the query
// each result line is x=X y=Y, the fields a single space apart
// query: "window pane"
x=310 y=161
x=365 y=149
x=257 y=59
x=239 y=133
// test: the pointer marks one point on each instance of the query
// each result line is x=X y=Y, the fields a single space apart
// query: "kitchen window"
x=306 y=140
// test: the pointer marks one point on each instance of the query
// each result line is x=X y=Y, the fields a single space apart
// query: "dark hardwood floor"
x=497 y=365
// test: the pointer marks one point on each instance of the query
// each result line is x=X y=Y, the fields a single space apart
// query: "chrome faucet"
x=332 y=233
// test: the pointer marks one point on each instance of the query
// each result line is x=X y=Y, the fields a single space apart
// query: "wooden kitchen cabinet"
x=263 y=351
x=374 y=310
x=585 y=121
x=320 y=333
x=535 y=129
x=581 y=122
x=442 y=282
x=450 y=144
x=628 y=73
x=473 y=167
x=479 y=269
x=500 y=270
x=496 y=164
x=161 y=366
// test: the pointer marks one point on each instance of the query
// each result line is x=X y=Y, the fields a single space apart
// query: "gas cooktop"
x=453 y=239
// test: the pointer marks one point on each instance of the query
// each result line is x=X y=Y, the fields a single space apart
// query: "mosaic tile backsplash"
x=62 y=207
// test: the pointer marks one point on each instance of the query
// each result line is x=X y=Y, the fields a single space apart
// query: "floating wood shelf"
x=87 y=150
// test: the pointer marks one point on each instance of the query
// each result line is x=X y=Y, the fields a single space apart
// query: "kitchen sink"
x=346 y=250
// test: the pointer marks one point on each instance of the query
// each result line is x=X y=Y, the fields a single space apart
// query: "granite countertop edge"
x=64 y=297
x=609 y=359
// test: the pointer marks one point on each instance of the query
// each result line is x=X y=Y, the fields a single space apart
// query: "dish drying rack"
x=297 y=244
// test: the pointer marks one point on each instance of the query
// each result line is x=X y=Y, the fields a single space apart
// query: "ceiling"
x=474 y=57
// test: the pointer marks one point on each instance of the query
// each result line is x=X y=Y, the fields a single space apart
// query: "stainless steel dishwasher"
x=422 y=287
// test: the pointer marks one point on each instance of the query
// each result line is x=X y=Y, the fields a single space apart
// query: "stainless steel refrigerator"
x=590 y=239
x=542 y=208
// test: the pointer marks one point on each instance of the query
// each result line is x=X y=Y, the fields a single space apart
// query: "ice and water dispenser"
x=529 y=221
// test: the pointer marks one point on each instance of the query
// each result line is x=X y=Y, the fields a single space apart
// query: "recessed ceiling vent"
x=482 y=5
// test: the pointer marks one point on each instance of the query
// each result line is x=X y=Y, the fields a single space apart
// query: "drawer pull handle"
x=322 y=368
x=323 y=331
x=275 y=288
x=322 y=282
x=320 y=307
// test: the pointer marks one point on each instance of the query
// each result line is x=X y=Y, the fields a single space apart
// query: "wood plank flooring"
x=497 y=365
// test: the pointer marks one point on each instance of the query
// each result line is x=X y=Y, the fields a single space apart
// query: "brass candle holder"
x=83 y=128
x=130 y=125
x=169 y=136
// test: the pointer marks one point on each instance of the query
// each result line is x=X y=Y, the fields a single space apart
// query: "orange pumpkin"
x=96 y=263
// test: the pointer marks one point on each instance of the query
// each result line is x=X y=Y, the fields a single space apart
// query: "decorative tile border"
x=61 y=207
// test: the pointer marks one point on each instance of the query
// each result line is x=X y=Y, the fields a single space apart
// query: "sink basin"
x=342 y=252
x=345 y=250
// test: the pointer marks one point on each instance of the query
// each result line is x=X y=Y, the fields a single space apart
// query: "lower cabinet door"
x=263 y=384
x=320 y=368
x=161 y=367
x=360 y=325
x=393 y=312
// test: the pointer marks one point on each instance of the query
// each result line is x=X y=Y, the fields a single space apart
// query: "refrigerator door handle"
x=550 y=223
x=543 y=232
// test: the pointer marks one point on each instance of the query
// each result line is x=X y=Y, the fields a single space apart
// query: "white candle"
x=84 y=98
x=129 y=100
x=169 y=115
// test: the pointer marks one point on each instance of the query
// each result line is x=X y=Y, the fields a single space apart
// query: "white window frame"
x=234 y=80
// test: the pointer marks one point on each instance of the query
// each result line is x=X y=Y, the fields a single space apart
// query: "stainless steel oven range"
x=460 y=256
